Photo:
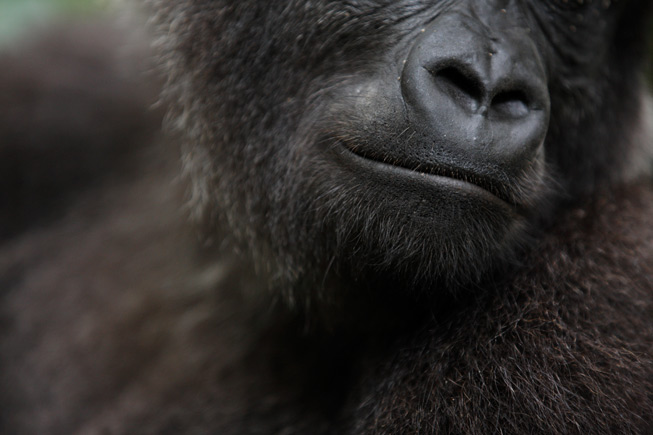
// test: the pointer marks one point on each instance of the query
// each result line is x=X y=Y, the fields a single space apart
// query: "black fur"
x=318 y=299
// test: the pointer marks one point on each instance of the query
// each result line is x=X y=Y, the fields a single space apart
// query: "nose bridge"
x=461 y=37
x=515 y=63
x=495 y=49
x=493 y=15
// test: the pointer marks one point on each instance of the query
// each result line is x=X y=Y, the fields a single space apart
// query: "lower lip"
x=417 y=180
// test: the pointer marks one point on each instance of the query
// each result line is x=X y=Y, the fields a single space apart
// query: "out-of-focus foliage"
x=19 y=16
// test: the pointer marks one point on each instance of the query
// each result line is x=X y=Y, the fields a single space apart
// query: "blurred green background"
x=19 y=16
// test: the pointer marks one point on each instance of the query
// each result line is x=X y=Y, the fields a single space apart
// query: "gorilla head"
x=412 y=144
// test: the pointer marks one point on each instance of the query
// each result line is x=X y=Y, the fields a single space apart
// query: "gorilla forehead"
x=317 y=28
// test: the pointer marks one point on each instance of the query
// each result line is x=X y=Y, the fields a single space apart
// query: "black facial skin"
x=416 y=143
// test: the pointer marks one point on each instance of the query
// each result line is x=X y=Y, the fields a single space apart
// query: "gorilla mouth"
x=464 y=179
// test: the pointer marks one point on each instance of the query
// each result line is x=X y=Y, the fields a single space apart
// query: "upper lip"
x=441 y=170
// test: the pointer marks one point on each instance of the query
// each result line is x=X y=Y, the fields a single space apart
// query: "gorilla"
x=395 y=216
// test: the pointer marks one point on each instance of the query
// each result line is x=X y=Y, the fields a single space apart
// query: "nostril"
x=513 y=104
x=462 y=87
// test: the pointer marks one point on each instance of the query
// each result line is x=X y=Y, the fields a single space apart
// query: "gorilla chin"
x=396 y=226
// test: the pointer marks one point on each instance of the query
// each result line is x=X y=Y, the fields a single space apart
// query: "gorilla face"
x=408 y=143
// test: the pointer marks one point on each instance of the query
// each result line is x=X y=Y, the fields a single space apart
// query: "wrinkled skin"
x=411 y=217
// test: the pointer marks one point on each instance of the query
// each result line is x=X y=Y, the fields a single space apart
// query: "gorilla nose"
x=463 y=86
x=480 y=95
